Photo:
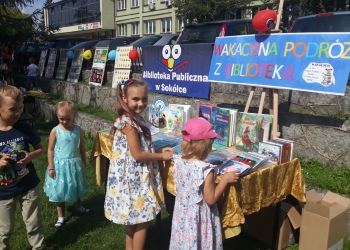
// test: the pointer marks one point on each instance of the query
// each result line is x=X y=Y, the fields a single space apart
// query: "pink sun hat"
x=199 y=129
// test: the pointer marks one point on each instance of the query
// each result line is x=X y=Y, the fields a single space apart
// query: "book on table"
x=186 y=111
x=246 y=162
x=285 y=154
x=290 y=146
x=217 y=157
x=153 y=115
x=172 y=119
x=221 y=123
x=251 y=129
x=232 y=125
x=205 y=111
x=271 y=149
x=162 y=140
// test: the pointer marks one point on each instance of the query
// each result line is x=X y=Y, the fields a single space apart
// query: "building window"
x=150 y=27
x=135 y=3
x=135 y=29
x=179 y=25
x=121 y=4
x=147 y=2
x=122 y=30
x=166 y=25
x=70 y=13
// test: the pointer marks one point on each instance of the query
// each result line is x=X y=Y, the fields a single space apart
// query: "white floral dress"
x=134 y=189
x=195 y=225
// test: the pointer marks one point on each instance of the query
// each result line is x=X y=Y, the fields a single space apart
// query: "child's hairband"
x=127 y=83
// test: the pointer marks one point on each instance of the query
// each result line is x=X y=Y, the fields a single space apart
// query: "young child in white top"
x=196 y=222
x=31 y=73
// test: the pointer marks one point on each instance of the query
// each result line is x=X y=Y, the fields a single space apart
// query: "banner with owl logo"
x=180 y=70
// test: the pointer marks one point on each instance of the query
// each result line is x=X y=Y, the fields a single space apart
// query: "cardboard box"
x=323 y=221
x=260 y=225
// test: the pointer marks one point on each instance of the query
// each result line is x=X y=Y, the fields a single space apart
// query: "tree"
x=207 y=10
x=16 y=27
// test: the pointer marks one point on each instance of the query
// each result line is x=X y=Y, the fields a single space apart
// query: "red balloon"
x=133 y=54
x=264 y=20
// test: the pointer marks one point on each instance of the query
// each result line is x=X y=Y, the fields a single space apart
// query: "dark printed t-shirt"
x=17 y=179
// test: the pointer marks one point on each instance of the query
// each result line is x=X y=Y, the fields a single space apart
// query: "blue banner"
x=311 y=62
x=178 y=70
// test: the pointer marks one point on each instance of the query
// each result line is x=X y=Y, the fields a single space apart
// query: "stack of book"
x=246 y=162
x=240 y=129
x=279 y=150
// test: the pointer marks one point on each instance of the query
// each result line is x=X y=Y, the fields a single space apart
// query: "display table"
x=254 y=191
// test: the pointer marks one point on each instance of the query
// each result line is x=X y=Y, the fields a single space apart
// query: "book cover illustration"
x=274 y=151
x=246 y=160
x=162 y=140
x=291 y=146
x=153 y=115
x=231 y=165
x=247 y=132
x=259 y=159
x=221 y=155
x=232 y=125
x=186 y=111
x=221 y=123
x=265 y=127
x=100 y=56
x=173 y=118
x=285 y=149
x=205 y=110
x=96 y=76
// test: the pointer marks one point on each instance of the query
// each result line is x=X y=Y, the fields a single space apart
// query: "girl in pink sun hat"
x=196 y=221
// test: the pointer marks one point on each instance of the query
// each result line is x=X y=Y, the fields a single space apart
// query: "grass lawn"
x=94 y=231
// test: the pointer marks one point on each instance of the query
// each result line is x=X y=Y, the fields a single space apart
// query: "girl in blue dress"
x=65 y=179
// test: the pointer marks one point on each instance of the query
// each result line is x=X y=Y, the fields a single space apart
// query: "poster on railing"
x=98 y=66
x=75 y=69
x=50 y=67
x=180 y=70
x=42 y=62
x=312 y=62
x=62 y=65
x=122 y=65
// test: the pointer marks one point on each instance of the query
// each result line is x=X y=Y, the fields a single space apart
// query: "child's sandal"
x=83 y=210
x=58 y=224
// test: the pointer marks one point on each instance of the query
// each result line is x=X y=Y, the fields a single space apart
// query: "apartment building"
x=111 y=18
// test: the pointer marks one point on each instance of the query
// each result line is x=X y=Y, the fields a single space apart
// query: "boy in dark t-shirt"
x=18 y=178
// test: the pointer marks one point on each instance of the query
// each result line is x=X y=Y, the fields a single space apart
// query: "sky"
x=38 y=4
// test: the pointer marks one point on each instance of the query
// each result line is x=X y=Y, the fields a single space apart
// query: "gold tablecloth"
x=254 y=191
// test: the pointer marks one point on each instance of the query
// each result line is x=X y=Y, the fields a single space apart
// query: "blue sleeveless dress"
x=70 y=182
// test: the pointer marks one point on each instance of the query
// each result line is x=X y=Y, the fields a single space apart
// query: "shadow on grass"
x=78 y=224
